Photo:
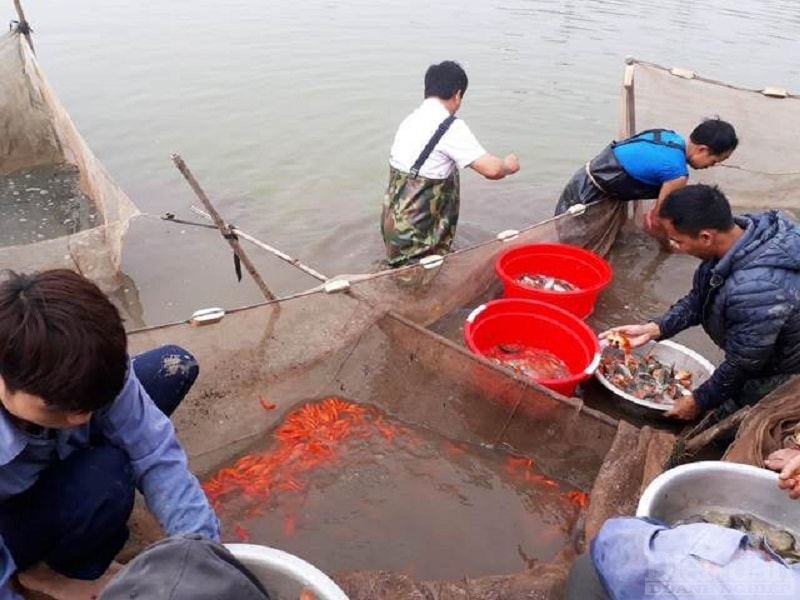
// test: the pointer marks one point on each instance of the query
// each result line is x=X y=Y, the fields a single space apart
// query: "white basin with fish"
x=670 y=353
x=725 y=487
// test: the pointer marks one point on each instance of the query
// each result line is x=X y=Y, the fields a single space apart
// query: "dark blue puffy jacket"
x=749 y=304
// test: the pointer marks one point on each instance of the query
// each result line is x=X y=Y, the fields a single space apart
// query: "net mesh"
x=36 y=132
x=369 y=345
x=763 y=172
x=772 y=424
x=426 y=295
x=320 y=345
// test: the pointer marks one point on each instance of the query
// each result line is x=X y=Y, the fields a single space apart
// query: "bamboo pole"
x=282 y=255
x=223 y=227
x=23 y=24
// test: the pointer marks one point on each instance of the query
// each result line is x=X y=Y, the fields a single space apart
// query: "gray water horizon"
x=286 y=111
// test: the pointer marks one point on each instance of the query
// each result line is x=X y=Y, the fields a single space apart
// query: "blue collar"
x=13 y=440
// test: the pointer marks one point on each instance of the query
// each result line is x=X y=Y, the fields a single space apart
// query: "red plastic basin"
x=582 y=268
x=539 y=325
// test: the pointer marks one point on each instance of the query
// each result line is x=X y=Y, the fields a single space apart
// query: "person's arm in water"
x=651 y=223
x=494 y=167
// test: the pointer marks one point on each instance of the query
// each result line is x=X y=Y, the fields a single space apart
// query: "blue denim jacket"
x=132 y=423
x=641 y=558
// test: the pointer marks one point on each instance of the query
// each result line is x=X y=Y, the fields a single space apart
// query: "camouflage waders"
x=419 y=216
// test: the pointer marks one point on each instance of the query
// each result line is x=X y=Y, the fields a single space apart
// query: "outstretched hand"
x=638 y=335
x=788 y=462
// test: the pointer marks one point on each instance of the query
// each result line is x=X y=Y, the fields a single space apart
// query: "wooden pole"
x=223 y=227
x=282 y=255
x=728 y=424
x=23 y=24
x=628 y=120
x=627 y=125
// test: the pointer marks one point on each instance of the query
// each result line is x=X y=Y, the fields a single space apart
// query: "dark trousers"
x=75 y=516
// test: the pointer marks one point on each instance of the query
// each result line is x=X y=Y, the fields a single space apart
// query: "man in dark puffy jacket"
x=746 y=295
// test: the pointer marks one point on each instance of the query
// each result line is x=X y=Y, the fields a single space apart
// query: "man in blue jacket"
x=746 y=296
x=82 y=426
x=649 y=165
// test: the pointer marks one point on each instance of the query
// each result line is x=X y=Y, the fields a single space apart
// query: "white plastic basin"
x=285 y=575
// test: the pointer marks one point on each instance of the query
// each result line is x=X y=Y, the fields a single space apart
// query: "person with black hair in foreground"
x=649 y=165
x=745 y=295
x=82 y=426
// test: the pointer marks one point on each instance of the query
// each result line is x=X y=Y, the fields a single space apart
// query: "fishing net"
x=366 y=346
x=770 y=425
x=425 y=295
x=633 y=461
x=58 y=205
x=763 y=172
x=282 y=369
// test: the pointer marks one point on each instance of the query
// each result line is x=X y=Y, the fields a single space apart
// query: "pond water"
x=285 y=112
x=349 y=488
x=43 y=203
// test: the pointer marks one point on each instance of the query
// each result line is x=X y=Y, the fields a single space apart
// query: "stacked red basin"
x=547 y=316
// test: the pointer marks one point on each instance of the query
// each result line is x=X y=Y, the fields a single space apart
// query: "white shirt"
x=458 y=146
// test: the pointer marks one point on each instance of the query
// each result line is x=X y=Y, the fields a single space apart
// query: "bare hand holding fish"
x=637 y=335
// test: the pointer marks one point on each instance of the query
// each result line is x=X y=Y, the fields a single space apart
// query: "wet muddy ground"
x=389 y=496
x=43 y=203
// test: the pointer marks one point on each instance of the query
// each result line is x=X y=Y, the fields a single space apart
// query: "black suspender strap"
x=656 y=139
x=426 y=151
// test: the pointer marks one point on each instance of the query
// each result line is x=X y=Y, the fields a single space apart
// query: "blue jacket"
x=640 y=559
x=748 y=302
x=134 y=424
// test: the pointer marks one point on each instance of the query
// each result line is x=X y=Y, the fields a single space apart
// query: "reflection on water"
x=285 y=111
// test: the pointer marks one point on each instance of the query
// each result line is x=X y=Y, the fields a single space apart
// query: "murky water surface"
x=285 y=111
x=384 y=495
x=43 y=203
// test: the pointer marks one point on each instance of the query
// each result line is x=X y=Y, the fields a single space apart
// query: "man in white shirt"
x=420 y=207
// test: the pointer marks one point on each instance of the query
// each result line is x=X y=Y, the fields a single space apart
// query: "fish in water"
x=543 y=282
x=782 y=542
x=535 y=363
x=644 y=377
